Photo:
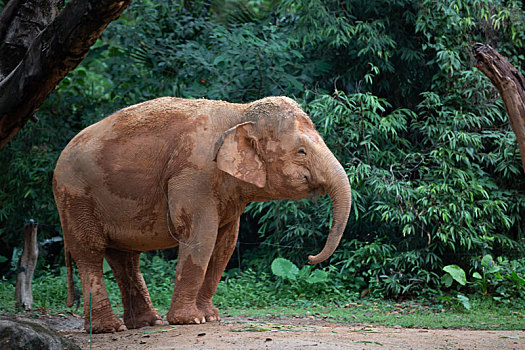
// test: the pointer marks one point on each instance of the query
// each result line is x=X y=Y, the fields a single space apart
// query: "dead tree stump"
x=26 y=268
x=511 y=86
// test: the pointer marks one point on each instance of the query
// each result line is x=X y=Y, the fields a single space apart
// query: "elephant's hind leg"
x=96 y=301
x=86 y=242
x=138 y=309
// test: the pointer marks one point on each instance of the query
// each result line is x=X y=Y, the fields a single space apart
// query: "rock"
x=22 y=333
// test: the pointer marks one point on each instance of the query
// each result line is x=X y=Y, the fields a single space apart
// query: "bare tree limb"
x=55 y=51
x=511 y=86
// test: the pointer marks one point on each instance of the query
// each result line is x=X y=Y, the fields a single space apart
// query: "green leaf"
x=447 y=280
x=304 y=272
x=3 y=259
x=477 y=275
x=106 y=267
x=317 y=276
x=487 y=261
x=516 y=278
x=464 y=301
x=284 y=268
x=457 y=273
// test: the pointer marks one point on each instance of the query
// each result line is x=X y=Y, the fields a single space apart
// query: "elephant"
x=179 y=172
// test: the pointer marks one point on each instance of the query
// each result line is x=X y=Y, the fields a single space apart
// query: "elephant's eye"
x=301 y=151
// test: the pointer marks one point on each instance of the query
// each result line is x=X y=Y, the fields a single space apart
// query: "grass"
x=484 y=316
x=255 y=298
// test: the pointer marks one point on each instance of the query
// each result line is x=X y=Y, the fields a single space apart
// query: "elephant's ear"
x=236 y=154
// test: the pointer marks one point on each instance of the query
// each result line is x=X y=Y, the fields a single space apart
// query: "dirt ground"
x=286 y=333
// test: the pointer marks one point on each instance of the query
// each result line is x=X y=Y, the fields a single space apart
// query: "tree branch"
x=20 y=22
x=7 y=15
x=58 y=49
x=511 y=86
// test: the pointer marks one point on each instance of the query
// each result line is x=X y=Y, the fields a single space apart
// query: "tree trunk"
x=20 y=22
x=26 y=268
x=46 y=45
x=511 y=86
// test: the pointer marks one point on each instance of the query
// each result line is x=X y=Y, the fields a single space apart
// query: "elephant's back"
x=128 y=152
x=158 y=116
x=154 y=117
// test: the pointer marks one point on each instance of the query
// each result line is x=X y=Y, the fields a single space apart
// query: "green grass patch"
x=49 y=294
x=258 y=295
x=483 y=316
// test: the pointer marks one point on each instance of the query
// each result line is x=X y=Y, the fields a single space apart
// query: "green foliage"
x=285 y=269
x=429 y=203
x=249 y=289
x=7 y=296
x=191 y=52
x=458 y=301
x=434 y=184
x=501 y=279
x=351 y=36
x=50 y=288
x=454 y=272
x=490 y=271
x=49 y=292
x=306 y=282
x=251 y=295
x=159 y=275
x=302 y=279
x=484 y=314
x=433 y=164
x=289 y=284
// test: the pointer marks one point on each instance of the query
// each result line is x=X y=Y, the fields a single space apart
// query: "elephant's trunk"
x=337 y=185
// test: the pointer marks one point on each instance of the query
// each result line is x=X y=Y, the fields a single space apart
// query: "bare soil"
x=285 y=333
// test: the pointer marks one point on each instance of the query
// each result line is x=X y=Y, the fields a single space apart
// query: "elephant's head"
x=277 y=149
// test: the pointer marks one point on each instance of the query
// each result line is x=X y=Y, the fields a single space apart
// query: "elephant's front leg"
x=224 y=248
x=194 y=255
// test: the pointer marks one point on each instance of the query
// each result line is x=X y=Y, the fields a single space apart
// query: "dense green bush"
x=433 y=164
x=436 y=183
x=499 y=278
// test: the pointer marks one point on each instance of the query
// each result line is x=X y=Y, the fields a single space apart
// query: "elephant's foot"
x=185 y=315
x=210 y=312
x=105 y=325
x=149 y=318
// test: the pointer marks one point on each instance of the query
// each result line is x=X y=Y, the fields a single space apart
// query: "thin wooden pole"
x=26 y=267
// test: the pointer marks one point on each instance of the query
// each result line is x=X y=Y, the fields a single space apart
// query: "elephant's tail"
x=70 y=285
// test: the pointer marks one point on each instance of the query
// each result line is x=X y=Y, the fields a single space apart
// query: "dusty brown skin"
x=174 y=172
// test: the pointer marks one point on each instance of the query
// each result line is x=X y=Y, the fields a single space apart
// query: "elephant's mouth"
x=316 y=193
x=319 y=191
x=315 y=189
